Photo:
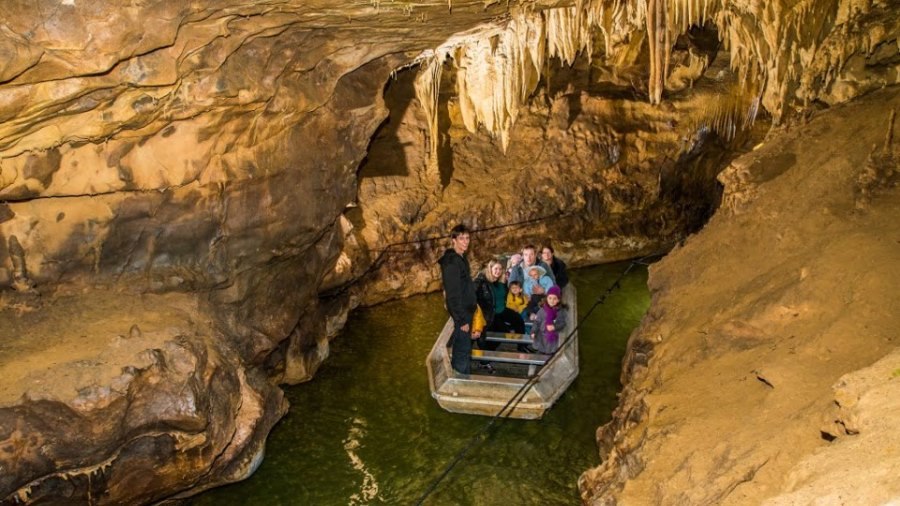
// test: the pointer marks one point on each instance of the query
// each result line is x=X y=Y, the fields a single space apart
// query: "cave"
x=194 y=197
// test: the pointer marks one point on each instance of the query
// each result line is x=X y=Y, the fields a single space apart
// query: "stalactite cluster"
x=497 y=71
x=771 y=47
x=730 y=112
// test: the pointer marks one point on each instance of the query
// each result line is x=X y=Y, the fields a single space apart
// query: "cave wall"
x=211 y=152
x=210 y=160
x=760 y=374
x=591 y=168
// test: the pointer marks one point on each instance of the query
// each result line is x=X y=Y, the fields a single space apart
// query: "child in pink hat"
x=551 y=319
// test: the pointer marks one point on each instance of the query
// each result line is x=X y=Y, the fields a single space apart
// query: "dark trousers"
x=461 y=355
x=505 y=322
x=508 y=321
x=534 y=304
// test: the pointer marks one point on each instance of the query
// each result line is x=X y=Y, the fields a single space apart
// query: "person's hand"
x=476 y=335
x=538 y=289
x=551 y=328
x=533 y=317
x=464 y=328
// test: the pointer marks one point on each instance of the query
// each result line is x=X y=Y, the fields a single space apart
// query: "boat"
x=488 y=394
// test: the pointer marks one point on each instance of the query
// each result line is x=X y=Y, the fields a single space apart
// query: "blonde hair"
x=487 y=271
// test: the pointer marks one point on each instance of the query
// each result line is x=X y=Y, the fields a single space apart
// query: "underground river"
x=366 y=430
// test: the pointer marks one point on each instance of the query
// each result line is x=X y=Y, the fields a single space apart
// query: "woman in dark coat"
x=490 y=292
x=556 y=265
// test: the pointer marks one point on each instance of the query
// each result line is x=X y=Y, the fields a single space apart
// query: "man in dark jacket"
x=459 y=291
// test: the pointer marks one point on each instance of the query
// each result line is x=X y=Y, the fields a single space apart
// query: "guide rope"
x=392 y=246
x=507 y=409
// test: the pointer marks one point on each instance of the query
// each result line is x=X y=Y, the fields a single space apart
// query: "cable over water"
x=507 y=409
x=367 y=415
x=392 y=246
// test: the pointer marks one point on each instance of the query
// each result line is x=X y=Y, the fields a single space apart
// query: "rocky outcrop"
x=857 y=466
x=94 y=402
x=206 y=151
x=762 y=369
x=210 y=158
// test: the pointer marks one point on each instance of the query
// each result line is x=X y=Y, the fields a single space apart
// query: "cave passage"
x=366 y=430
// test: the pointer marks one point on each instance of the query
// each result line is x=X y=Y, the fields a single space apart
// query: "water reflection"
x=369 y=489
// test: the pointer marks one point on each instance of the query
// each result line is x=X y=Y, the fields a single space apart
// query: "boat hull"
x=491 y=394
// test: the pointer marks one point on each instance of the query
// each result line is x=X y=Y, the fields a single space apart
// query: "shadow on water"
x=366 y=430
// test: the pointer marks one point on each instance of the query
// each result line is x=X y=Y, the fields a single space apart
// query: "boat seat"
x=510 y=358
x=500 y=337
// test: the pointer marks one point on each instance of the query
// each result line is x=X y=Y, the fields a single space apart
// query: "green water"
x=366 y=430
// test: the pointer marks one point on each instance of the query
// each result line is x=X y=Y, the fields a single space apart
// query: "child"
x=515 y=299
x=478 y=322
x=511 y=265
x=536 y=285
x=551 y=320
x=537 y=276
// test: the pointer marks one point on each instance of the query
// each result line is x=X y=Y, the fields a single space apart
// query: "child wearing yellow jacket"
x=515 y=299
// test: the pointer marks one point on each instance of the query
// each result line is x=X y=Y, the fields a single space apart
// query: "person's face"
x=461 y=243
x=546 y=255
x=515 y=289
x=496 y=270
x=528 y=255
x=535 y=275
x=553 y=300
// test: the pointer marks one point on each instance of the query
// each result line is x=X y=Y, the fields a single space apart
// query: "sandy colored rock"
x=92 y=410
x=861 y=465
x=729 y=379
x=207 y=161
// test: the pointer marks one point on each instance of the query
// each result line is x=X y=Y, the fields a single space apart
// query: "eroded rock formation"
x=186 y=215
x=760 y=374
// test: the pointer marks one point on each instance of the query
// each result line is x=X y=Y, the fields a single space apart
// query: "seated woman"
x=490 y=292
x=548 y=256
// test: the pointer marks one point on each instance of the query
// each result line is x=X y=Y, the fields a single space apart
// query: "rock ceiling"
x=96 y=99
x=75 y=73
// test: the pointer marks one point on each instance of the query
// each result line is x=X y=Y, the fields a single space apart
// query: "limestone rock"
x=213 y=152
x=89 y=416
x=730 y=375
x=860 y=465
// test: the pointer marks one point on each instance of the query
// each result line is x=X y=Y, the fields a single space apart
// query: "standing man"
x=459 y=291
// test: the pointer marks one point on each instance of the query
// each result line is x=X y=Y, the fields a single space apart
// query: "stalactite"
x=658 y=42
x=428 y=87
x=568 y=33
x=497 y=73
x=731 y=112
